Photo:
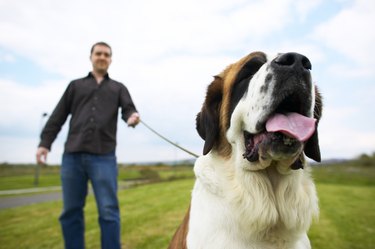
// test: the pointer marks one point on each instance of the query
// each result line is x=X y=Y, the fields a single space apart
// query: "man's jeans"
x=76 y=170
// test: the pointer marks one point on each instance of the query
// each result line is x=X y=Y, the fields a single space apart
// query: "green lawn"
x=347 y=217
x=22 y=177
x=151 y=213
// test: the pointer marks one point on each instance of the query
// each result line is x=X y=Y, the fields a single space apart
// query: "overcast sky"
x=166 y=53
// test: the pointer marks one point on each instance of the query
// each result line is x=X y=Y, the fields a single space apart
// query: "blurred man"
x=93 y=103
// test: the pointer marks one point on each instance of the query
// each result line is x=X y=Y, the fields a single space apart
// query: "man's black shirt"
x=94 y=110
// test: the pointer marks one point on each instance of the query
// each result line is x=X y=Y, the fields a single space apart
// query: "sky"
x=166 y=52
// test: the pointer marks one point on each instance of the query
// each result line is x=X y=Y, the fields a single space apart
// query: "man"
x=93 y=103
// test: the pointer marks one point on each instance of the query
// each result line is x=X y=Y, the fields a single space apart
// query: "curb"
x=29 y=190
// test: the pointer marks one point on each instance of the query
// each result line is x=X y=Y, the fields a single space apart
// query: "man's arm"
x=53 y=126
x=129 y=113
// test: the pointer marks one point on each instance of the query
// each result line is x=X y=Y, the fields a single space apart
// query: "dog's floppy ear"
x=312 y=149
x=207 y=121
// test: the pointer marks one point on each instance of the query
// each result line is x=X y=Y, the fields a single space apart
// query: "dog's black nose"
x=292 y=60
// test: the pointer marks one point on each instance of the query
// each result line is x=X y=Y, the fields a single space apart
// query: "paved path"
x=28 y=190
x=16 y=201
x=54 y=193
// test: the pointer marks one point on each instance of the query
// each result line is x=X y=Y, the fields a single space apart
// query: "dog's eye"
x=250 y=68
x=241 y=85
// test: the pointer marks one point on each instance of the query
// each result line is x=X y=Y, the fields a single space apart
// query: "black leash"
x=169 y=141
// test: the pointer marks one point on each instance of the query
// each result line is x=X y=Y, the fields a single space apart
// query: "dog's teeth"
x=288 y=141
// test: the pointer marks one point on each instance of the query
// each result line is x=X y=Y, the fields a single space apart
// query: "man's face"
x=101 y=58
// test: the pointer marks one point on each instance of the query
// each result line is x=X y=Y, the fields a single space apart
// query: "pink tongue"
x=292 y=124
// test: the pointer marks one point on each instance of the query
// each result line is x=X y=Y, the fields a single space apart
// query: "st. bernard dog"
x=253 y=188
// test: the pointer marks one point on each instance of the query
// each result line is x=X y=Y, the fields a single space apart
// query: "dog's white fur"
x=249 y=210
x=241 y=205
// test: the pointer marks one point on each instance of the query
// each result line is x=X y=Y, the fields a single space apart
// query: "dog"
x=253 y=187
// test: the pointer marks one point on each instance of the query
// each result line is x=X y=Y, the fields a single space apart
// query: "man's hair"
x=100 y=44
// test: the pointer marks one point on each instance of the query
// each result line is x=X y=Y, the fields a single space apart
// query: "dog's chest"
x=248 y=213
x=219 y=225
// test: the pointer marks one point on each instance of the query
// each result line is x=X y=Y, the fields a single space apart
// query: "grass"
x=347 y=217
x=345 y=174
x=346 y=194
x=151 y=213
x=22 y=176
x=153 y=225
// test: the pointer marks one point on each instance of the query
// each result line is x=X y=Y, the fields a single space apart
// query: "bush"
x=150 y=174
x=366 y=160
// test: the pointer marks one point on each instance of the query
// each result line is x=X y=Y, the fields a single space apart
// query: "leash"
x=169 y=141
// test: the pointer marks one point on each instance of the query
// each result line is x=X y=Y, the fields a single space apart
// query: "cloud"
x=6 y=57
x=58 y=37
x=338 y=138
x=304 y=8
x=351 y=34
x=166 y=53
x=24 y=105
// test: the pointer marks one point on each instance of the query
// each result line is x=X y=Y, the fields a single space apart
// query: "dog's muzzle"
x=287 y=123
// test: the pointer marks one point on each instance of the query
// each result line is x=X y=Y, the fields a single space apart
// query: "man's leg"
x=103 y=175
x=74 y=185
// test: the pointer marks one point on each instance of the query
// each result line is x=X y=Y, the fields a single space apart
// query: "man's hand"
x=133 y=120
x=41 y=155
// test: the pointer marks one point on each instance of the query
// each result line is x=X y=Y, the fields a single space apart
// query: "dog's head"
x=263 y=110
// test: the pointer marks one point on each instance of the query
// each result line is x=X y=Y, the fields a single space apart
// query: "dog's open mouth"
x=282 y=131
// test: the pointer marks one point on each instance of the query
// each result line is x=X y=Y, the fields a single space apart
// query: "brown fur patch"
x=229 y=76
x=179 y=238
